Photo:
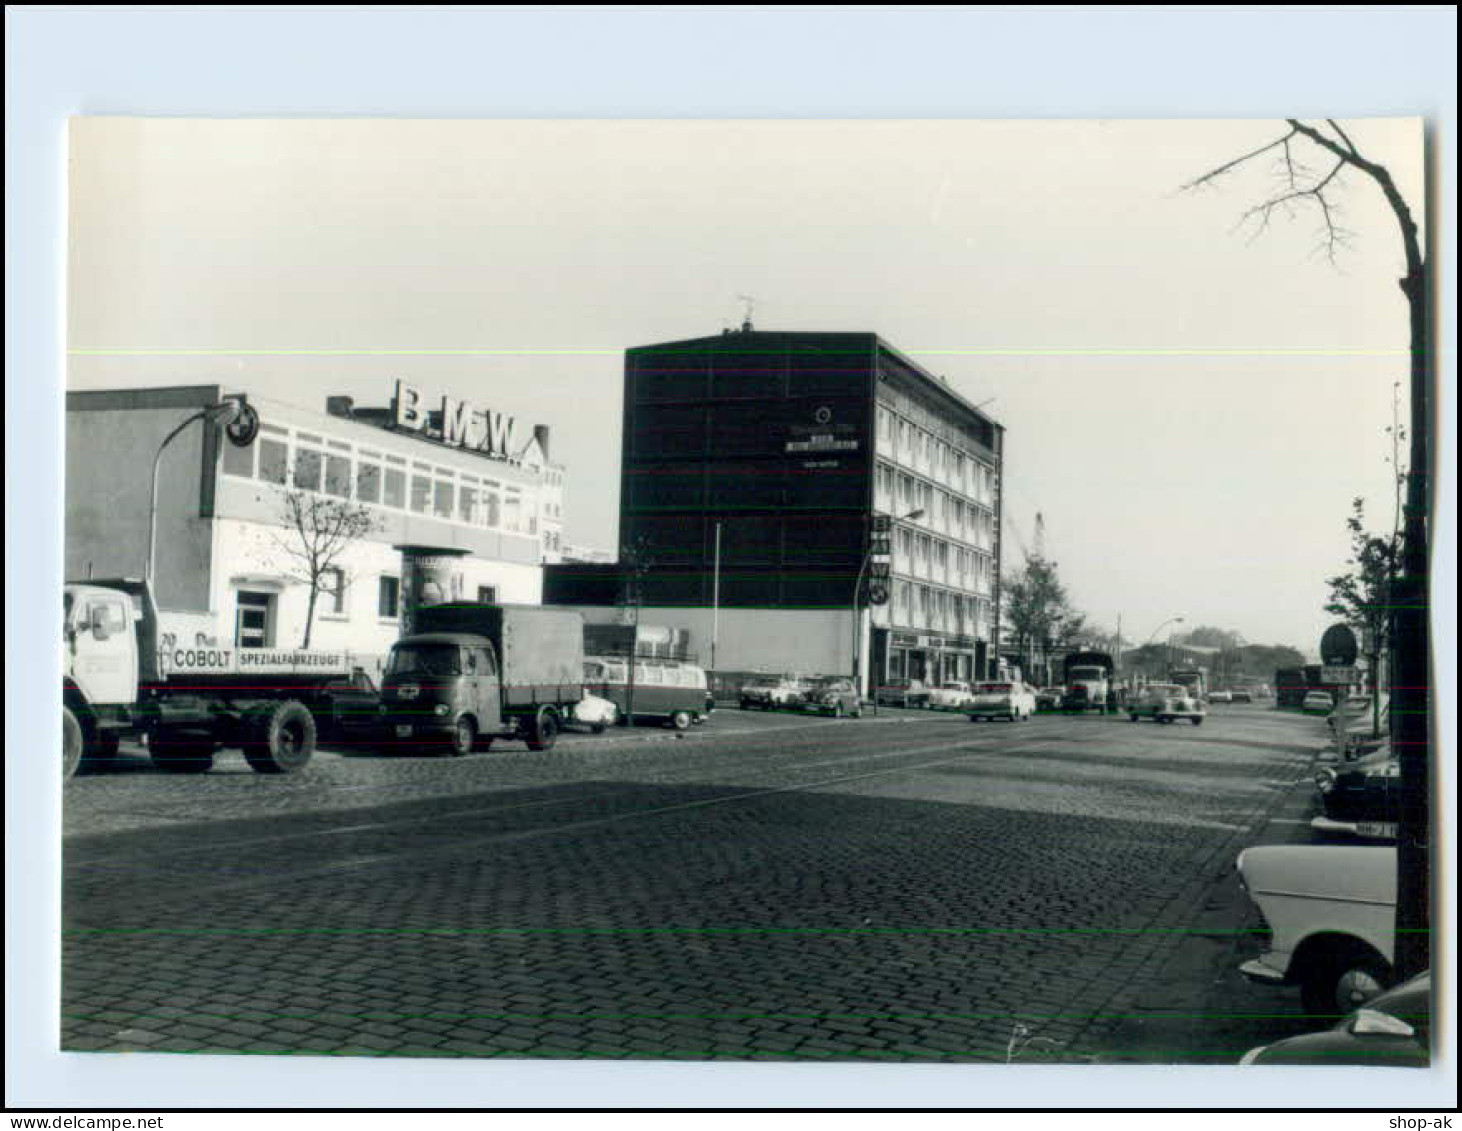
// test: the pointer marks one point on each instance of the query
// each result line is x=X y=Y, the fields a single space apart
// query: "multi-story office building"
x=758 y=470
x=459 y=498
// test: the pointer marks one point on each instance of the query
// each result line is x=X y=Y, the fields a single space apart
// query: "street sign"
x=1337 y=645
x=1341 y=674
x=882 y=523
x=878 y=569
x=878 y=593
x=878 y=546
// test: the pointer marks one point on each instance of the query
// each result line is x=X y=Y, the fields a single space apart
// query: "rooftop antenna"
x=750 y=302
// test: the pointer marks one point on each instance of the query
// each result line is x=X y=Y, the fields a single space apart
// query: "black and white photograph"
x=806 y=590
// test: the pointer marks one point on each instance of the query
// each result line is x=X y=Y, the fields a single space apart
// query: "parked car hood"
x=1358 y=1039
x=1342 y=872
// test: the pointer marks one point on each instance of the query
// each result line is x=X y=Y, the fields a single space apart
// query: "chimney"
x=340 y=406
x=540 y=433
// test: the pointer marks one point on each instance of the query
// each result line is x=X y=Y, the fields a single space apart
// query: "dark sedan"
x=902 y=693
x=1362 y=798
x=349 y=710
x=832 y=696
x=1393 y=1030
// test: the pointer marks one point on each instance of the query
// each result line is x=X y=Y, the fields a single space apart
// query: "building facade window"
x=332 y=591
x=388 y=601
x=254 y=620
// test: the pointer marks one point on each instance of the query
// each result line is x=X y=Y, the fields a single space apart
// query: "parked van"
x=669 y=690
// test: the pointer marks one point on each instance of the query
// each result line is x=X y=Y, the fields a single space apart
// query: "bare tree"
x=314 y=533
x=1312 y=161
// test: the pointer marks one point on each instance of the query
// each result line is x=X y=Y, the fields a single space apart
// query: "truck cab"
x=101 y=660
x=442 y=688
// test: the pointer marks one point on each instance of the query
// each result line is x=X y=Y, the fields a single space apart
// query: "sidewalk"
x=1199 y=1009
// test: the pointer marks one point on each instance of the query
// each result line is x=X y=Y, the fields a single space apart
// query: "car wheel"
x=680 y=720
x=1344 y=982
x=1197 y=722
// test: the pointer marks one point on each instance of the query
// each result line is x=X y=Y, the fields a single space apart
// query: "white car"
x=1220 y=697
x=1331 y=914
x=952 y=695
x=595 y=713
x=1011 y=701
x=1318 y=703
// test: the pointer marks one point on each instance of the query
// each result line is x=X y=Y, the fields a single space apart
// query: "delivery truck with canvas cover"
x=475 y=672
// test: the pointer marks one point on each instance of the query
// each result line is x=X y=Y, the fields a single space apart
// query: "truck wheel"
x=282 y=739
x=680 y=720
x=72 y=742
x=181 y=752
x=544 y=732
x=464 y=737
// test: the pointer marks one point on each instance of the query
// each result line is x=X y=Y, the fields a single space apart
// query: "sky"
x=1190 y=406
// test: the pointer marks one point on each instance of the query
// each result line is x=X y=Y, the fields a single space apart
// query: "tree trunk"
x=1411 y=662
x=310 y=616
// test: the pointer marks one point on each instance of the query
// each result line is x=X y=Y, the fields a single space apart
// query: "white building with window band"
x=471 y=490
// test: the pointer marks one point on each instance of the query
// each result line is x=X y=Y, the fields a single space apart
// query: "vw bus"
x=669 y=691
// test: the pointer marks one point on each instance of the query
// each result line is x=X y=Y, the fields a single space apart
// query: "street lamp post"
x=1159 y=628
x=225 y=413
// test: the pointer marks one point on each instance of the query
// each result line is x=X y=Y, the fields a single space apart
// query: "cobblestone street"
x=907 y=887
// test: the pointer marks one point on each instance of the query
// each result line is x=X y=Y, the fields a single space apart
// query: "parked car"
x=349 y=710
x=595 y=713
x=1166 y=703
x=771 y=692
x=832 y=695
x=1009 y=701
x=667 y=691
x=1242 y=695
x=1330 y=912
x=1220 y=696
x=1356 y=715
x=1317 y=703
x=902 y=693
x=1049 y=698
x=1392 y=1030
x=952 y=695
x=1362 y=798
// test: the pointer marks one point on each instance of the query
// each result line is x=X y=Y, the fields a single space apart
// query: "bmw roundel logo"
x=823 y=414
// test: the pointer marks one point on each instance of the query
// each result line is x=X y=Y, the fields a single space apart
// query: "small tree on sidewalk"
x=314 y=533
x=1361 y=598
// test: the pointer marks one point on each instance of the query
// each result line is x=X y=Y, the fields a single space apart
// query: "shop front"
x=930 y=657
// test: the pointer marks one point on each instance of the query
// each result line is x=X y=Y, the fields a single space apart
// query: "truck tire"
x=281 y=739
x=73 y=742
x=543 y=732
x=181 y=752
x=464 y=737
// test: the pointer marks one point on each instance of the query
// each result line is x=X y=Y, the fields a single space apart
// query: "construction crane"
x=1037 y=549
